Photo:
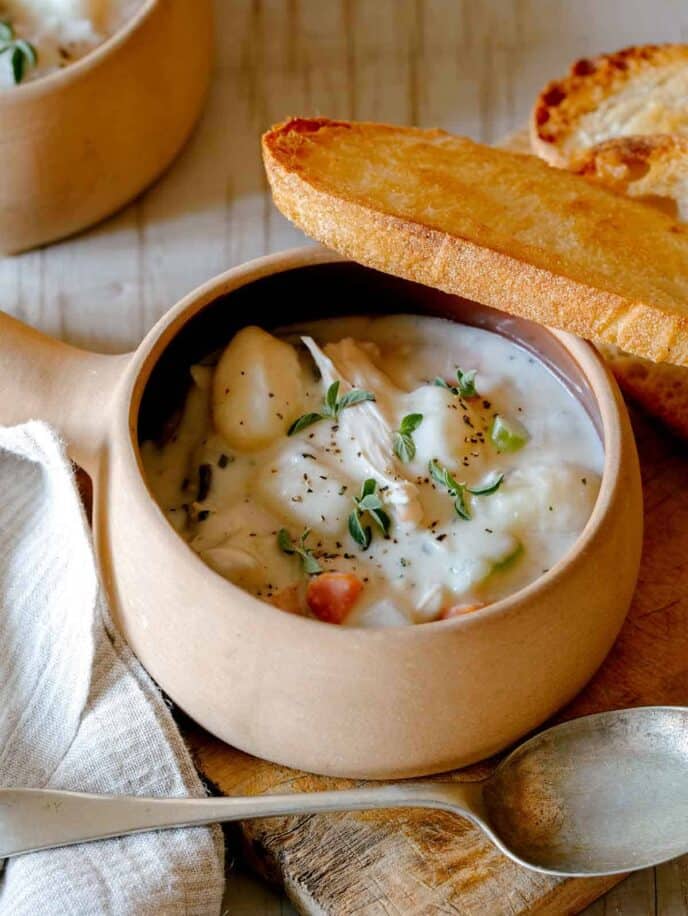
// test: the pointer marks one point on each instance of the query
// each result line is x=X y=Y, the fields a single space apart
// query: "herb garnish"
x=443 y=477
x=466 y=384
x=404 y=446
x=310 y=565
x=22 y=53
x=333 y=405
x=367 y=502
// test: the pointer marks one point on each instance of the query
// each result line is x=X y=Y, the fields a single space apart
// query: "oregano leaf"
x=308 y=419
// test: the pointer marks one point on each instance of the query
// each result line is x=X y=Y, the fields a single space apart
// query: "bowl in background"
x=80 y=142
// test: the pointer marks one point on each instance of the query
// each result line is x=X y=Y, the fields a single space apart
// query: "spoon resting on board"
x=599 y=795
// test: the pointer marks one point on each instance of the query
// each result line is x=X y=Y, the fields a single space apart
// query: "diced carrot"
x=458 y=610
x=288 y=599
x=331 y=595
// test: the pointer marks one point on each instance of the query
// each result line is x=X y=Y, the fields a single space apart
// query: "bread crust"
x=652 y=168
x=645 y=150
x=660 y=388
x=388 y=197
x=557 y=126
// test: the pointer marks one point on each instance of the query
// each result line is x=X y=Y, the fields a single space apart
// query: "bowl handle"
x=44 y=379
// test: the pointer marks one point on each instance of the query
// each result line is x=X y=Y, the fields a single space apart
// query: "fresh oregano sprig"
x=491 y=487
x=466 y=384
x=333 y=405
x=310 y=565
x=370 y=504
x=404 y=446
x=22 y=53
x=443 y=477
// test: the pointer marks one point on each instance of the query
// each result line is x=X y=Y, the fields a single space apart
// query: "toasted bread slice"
x=653 y=169
x=660 y=388
x=495 y=226
x=639 y=90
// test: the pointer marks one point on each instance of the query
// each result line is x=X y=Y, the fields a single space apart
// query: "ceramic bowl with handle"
x=334 y=700
x=82 y=141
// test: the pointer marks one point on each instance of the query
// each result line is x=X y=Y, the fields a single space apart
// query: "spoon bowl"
x=600 y=795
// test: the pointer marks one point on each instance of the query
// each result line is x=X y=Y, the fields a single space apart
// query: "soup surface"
x=377 y=471
x=41 y=36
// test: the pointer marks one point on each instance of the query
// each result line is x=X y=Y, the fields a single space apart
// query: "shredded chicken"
x=353 y=362
x=368 y=423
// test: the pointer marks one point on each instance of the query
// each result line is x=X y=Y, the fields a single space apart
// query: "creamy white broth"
x=433 y=563
x=61 y=31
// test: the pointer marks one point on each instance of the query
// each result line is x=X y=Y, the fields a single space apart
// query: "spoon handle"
x=33 y=819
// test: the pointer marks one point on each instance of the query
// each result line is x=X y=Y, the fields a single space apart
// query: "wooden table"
x=472 y=66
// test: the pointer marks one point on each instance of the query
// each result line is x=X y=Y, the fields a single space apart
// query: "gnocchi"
x=257 y=390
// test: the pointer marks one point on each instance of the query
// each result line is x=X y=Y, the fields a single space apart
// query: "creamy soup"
x=38 y=37
x=378 y=472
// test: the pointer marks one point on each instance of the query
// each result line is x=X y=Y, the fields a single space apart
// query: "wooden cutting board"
x=417 y=862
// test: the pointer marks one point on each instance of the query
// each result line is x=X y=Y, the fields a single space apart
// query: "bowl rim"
x=123 y=429
x=62 y=77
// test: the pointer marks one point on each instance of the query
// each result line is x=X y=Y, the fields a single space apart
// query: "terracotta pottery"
x=334 y=700
x=81 y=142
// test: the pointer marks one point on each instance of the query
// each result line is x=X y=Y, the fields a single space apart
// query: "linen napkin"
x=78 y=712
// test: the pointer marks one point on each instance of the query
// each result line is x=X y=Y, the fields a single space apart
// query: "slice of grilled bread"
x=639 y=90
x=495 y=226
x=660 y=388
x=653 y=169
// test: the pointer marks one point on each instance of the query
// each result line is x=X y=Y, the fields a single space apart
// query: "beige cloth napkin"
x=78 y=712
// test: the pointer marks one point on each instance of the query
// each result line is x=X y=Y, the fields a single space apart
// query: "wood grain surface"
x=468 y=66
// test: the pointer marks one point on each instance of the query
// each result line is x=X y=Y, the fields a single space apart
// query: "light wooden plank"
x=21 y=290
x=671 y=888
x=384 y=38
x=242 y=107
x=91 y=286
x=286 y=86
x=635 y=896
x=186 y=230
x=451 y=69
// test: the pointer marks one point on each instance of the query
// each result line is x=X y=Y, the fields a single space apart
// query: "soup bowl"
x=334 y=700
x=80 y=142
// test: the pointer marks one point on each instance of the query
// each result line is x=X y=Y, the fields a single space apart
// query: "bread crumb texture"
x=653 y=169
x=636 y=91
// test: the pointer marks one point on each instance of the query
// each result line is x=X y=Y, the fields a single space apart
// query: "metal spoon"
x=595 y=796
